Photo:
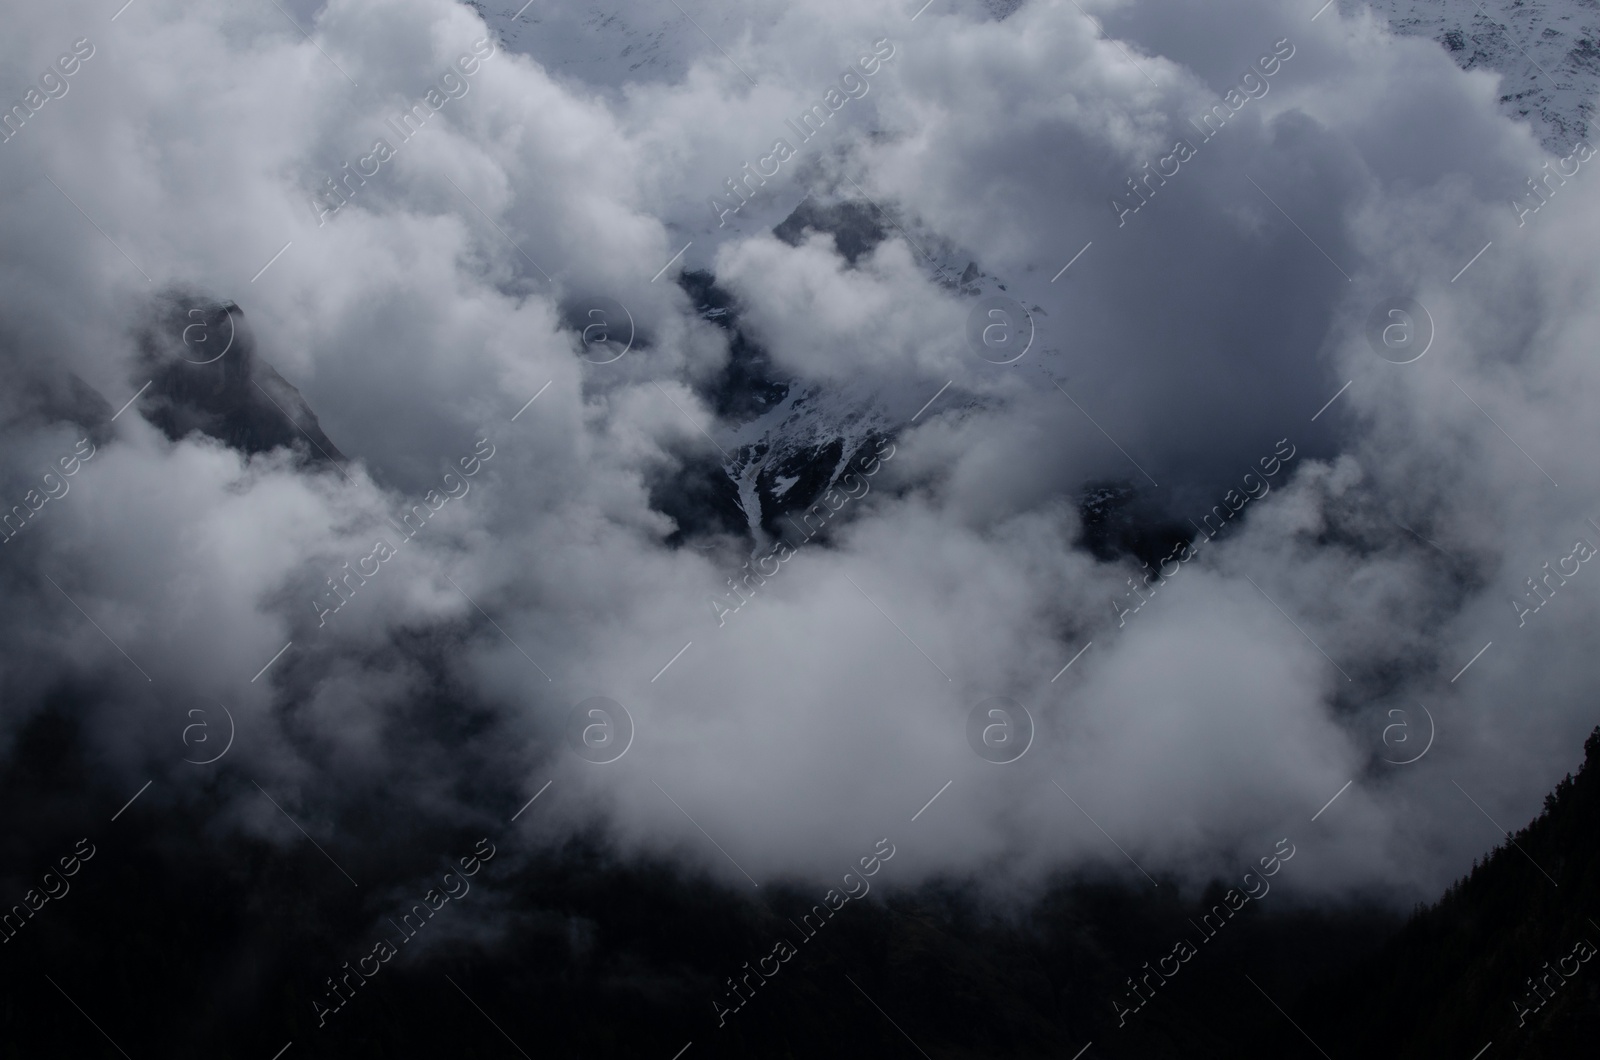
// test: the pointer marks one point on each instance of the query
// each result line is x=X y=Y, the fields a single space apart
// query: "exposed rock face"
x=854 y=227
x=200 y=359
x=1546 y=51
x=785 y=443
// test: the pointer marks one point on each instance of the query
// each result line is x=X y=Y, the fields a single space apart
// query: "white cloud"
x=1196 y=335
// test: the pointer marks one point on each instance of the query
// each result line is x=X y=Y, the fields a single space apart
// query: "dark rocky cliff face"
x=784 y=443
x=200 y=358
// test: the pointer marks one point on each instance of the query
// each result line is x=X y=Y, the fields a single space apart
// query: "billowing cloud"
x=434 y=313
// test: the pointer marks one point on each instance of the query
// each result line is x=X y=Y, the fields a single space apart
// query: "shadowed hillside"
x=1503 y=957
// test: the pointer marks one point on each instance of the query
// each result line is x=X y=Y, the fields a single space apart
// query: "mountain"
x=1505 y=956
x=228 y=946
x=204 y=376
x=578 y=950
x=788 y=442
x=1547 y=53
x=783 y=444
